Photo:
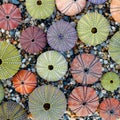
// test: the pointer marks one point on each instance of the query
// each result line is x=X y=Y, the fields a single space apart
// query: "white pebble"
x=105 y=62
x=104 y=91
x=23 y=66
x=10 y=90
x=13 y=98
x=68 y=55
x=24 y=60
x=2 y=30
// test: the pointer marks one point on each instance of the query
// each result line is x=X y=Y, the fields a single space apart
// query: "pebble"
x=111 y=65
x=9 y=83
x=23 y=66
x=105 y=62
x=68 y=55
x=24 y=60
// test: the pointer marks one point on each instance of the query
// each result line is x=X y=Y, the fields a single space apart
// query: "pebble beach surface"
x=66 y=84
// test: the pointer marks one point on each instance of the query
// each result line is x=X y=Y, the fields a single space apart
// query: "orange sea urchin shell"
x=24 y=82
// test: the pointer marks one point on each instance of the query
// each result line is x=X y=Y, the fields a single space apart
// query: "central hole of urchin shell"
x=7 y=17
x=22 y=82
x=50 y=67
x=46 y=106
x=33 y=40
x=86 y=70
x=94 y=30
x=0 y=61
x=8 y=119
x=39 y=2
x=111 y=111
x=111 y=81
x=84 y=103
x=60 y=36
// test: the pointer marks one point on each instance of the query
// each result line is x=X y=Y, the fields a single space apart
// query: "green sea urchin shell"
x=9 y=60
x=110 y=81
x=1 y=92
x=47 y=103
x=93 y=28
x=114 y=47
x=51 y=65
x=40 y=9
x=12 y=111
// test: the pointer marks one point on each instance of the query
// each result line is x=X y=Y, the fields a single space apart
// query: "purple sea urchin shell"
x=33 y=40
x=97 y=1
x=61 y=36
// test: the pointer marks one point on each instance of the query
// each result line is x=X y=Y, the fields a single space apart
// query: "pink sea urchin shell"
x=70 y=7
x=115 y=10
x=110 y=109
x=86 y=68
x=83 y=101
x=10 y=16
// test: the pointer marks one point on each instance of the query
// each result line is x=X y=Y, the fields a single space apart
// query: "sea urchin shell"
x=1 y=92
x=97 y=1
x=110 y=81
x=83 y=101
x=110 y=109
x=86 y=69
x=9 y=60
x=115 y=10
x=10 y=16
x=12 y=111
x=33 y=39
x=47 y=103
x=61 y=36
x=24 y=81
x=70 y=7
x=51 y=66
x=93 y=28
x=40 y=9
x=114 y=47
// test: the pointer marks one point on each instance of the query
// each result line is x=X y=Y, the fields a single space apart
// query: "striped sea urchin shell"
x=115 y=10
x=86 y=69
x=61 y=36
x=70 y=7
x=1 y=92
x=12 y=111
x=110 y=109
x=114 y=47
x=83 y=101
x=97 y=1
x=40 y=9
x=33 y=39
x=47 y=103
x=9 y=60
x=24 y=82
x=93 y=28
x=51 y=65
x=10 y=16
x=110 y=81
